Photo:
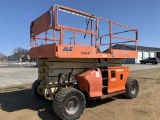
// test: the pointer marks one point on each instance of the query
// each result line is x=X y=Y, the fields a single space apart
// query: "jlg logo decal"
x=67 y=49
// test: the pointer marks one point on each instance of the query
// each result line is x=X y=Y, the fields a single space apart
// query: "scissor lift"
x=71 y=72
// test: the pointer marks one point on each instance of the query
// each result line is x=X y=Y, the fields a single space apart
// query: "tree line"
x=2 y=56
x=18 y=52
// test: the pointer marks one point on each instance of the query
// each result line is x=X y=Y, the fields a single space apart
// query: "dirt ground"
x=17 y=103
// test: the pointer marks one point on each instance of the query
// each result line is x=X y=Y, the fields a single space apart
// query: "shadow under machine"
x=79 y=60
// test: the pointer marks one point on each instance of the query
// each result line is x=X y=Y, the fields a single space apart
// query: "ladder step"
x=112 y=94
x=104 y=78
x=104 y=86
x=104 y=70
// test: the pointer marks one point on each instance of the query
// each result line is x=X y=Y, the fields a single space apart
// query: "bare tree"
x=18 y=52
x=2 y=56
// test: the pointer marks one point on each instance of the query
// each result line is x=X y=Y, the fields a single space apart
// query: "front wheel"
x=69 y=103
x=132 y=88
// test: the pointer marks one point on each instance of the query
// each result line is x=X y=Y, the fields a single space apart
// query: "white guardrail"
x=17 y=63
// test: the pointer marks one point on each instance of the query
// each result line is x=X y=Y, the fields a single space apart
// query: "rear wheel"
x=69 y=103
x=132 y=88
x=34 y=89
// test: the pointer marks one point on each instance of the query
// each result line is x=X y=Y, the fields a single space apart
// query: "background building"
x=143 y=53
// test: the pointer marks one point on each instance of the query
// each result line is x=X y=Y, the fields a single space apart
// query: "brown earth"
x=17 y=103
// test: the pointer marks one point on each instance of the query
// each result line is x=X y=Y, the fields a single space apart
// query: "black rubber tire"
x=132 y=88
x=63 y=99
x=34 y=89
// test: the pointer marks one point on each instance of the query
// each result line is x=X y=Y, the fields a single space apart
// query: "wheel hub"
x=133 y=89
x=72 y=105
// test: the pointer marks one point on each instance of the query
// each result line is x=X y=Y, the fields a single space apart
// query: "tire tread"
x=60 y=96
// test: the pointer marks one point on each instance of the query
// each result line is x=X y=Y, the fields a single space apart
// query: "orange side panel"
x=83 y=84
x=124 y=53
x=90 y=81
x=117 y=77
x=46 y=51
x=73 y=51
x=41 y=24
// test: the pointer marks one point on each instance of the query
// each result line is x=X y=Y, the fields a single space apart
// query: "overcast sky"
x=16 y=16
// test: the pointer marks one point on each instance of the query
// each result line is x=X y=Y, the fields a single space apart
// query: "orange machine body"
x=73 y=51
x=91 y=81
x=117 y=77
